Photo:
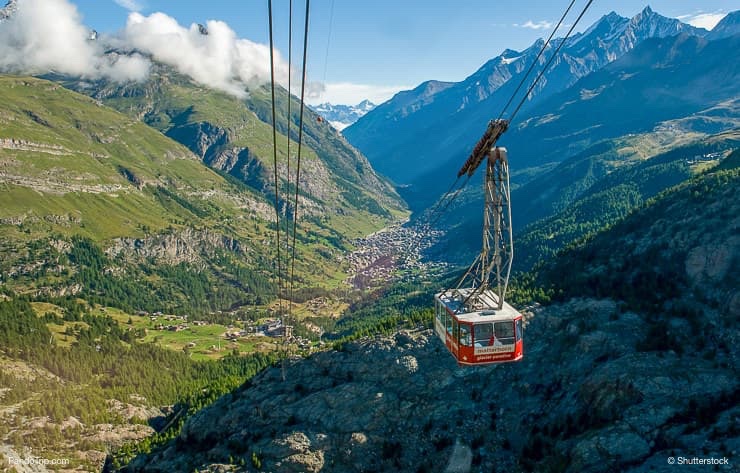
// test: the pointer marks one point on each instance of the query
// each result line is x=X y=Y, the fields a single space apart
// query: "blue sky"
x=371 y=49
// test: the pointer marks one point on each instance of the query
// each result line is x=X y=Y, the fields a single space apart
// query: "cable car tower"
x=473 y=319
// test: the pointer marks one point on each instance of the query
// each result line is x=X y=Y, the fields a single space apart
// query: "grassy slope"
x=73 y=178
x=83 y=176
x=336 y=177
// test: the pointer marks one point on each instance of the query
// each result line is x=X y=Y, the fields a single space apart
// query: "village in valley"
x=243 y=331
x=390 y=254
x=382 y=257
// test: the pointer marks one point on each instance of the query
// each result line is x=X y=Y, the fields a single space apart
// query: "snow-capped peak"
x=342 y=116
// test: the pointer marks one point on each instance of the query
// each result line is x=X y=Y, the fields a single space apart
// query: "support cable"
x=274 y=155
x=534 y=63
x=298 y=163
x=328 y=41
x=552 y=58
x=290 y=121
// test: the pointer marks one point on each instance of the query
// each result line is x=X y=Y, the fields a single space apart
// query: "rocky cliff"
x=584 y=398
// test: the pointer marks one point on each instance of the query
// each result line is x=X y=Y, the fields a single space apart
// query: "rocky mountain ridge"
x=605 y=404
x=446 y=118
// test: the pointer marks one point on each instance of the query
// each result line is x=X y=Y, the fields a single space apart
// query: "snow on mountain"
x=728 y=26
x=342 y=116
x=451 y=117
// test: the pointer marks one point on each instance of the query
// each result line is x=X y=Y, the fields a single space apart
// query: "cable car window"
x=518 y=329
x=454 y=329
x=483 y=334
x=505 y=332
x=465 y=335
x=448 y=323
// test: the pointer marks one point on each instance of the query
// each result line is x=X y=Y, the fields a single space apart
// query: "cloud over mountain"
x=48 y=35
x=212 y=55
x=703 y=20
x=540 y=25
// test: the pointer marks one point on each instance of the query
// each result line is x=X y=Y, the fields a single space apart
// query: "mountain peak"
x=647 y=14
x=649 y=23
x=341 y=116
x=609 y=23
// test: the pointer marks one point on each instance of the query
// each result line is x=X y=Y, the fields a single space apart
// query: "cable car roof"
x=484 y=313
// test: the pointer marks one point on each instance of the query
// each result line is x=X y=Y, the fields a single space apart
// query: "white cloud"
x=48 y=35
x=347 y=93
x=218 y=59
x=703 y=20
x=130 y=5
x=540 y=25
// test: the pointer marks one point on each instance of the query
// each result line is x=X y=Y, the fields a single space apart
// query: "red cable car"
x=480 y=337
x=475 y=323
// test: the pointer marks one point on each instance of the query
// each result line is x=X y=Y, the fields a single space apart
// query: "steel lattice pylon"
x=492 y=267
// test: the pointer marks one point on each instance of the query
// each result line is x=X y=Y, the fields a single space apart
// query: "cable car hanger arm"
x=496 y=128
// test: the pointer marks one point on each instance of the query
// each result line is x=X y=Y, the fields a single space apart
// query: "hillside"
x=64 y=153
x=340 y=192
x=640 y=106
x=80 y=175
x=589 y=191
x=615 y=195
x=633 y=364
x=136 y=280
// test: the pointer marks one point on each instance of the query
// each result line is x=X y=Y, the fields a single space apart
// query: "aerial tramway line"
x=473 y=319
x=282 y=293
x=475 y=323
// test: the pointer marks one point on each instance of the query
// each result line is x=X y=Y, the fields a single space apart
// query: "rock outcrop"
x=186 y=245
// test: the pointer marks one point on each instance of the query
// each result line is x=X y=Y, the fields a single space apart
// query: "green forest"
x=105 y=362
